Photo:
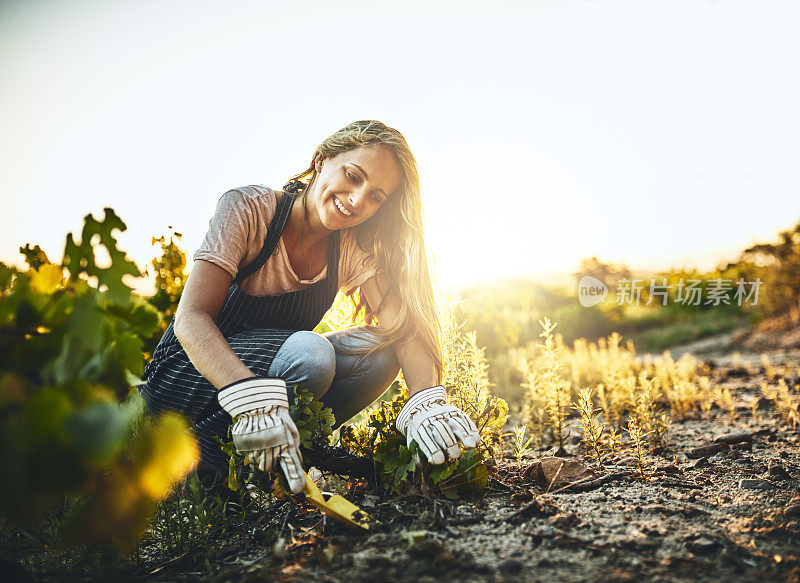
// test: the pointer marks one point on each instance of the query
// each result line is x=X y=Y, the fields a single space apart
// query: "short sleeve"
x=229 y=230
x=355 y=265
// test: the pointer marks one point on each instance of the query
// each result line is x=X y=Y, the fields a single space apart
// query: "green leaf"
x=98 y=430
x=128 y=350
x=141 y=317
x=79 y=257
x=314 y=421
x=442 y=471
x=64 y=369
x=87 y=323
x=34 y=257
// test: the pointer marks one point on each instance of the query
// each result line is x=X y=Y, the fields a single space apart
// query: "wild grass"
x=638 y=445
x=594 y=428
x=547 y=385
x=519 y=445
x=786 y=402
x=465 y=376
x=624 y=402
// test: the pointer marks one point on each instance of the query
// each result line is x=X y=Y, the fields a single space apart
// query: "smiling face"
x=350 y=187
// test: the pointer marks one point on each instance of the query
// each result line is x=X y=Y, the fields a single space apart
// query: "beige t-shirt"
x=236 y=234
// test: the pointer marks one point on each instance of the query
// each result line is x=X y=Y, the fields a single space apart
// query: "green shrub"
x=71 y=339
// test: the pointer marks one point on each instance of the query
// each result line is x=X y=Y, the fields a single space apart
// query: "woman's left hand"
x=435 y=426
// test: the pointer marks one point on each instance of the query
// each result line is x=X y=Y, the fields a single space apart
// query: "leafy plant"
x=71 y=339
x=623 y=386
x=399 y=466
x=465 y=376
x=593 y=426
x=379 y=439
x=638 y=442
x=169 y=269
x=314 y=421
x=519 y=445
x=547 y=385
x=653 y=421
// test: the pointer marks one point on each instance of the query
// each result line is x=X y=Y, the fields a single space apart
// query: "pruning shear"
x=337 y=506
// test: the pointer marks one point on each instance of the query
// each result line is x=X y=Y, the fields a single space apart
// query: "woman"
x=266 y=273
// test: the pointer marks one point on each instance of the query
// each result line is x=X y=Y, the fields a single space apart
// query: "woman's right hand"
x=263 y=429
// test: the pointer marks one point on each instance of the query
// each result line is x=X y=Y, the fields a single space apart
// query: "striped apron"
x=254 y=326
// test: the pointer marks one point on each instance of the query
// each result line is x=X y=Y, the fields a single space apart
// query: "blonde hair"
x=394 y=236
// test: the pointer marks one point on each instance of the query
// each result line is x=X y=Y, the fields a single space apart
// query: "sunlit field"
x=607 y=205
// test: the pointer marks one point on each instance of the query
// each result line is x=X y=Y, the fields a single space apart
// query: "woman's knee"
x=378 y=363
x=306 y=359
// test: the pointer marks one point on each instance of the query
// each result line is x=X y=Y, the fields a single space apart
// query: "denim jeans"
x=345 y=383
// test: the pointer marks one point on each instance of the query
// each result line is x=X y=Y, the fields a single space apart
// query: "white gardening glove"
x=434 y=425
x=263 y=429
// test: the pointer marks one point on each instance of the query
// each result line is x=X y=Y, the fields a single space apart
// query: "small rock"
x=746 y=446
x=755 y=484
x=763 y=403
x=735 y=437
x=702 y=546
x=707 y=450
x=778 y=472
x=552 y=472
x=702 y=462
x=669 y=469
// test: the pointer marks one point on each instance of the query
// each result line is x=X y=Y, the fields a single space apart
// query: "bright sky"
x=655 y=133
